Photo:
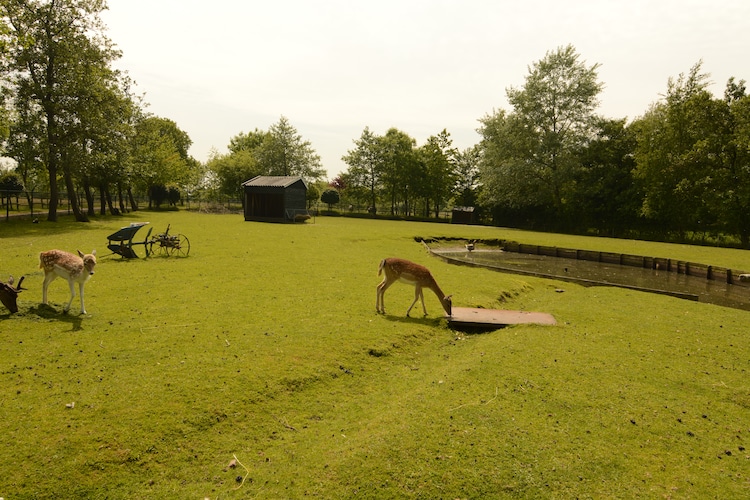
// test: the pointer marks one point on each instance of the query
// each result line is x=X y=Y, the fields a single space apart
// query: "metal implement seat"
x=121 y=242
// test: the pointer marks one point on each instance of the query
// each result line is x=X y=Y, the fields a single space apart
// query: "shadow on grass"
x=48 y=312
x=469 y=330
x=412 y=319
x=477 y=330
x=22 y=227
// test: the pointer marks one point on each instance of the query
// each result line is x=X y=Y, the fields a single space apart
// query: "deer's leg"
x=80 y=291
x=417 y=296
x=379 y=302
x=48 y=278
x=72 y=295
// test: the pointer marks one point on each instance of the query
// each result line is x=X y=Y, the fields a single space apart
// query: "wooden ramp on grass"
x=472 y=317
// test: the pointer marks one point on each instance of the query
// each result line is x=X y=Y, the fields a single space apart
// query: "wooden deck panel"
x=472 y=317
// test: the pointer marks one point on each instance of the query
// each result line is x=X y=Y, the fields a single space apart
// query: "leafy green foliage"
x=184 y=364
x=159 y=152
x=608 y=197
x=366 y=168
x=58 y=72
x=533 y=154
x=279 y=151
x=11 y=182
x=330 y=197
x=439 y=158
x=692 y=160
x=393 y=169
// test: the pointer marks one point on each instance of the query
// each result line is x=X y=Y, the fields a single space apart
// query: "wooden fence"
x=731 y=276
x=16 y=204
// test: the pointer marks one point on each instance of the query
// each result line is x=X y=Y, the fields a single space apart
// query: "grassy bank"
x=264 y=345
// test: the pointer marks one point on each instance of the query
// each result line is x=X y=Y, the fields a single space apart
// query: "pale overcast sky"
x=334 y=67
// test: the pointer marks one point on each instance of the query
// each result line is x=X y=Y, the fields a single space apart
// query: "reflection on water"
x=598 y=273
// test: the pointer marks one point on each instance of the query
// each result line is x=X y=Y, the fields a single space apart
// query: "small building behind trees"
x=464 y=215
x=275 y=199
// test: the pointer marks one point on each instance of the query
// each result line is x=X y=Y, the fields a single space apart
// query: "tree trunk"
x=30 y=201
x=54 y=197
x=133 y=204
x=108 y=196
x=89 y=197
x=102 y=199
x=80 y=216
x=120 y=199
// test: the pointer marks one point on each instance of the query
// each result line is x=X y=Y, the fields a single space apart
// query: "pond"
x=590 y=273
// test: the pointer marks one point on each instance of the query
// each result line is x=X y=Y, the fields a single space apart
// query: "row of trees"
x=69 y=117
x=280 y=150
x=683 y=168
x=411 y=180
x=73 y=124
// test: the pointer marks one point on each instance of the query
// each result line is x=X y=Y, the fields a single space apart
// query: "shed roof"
x=280 y=181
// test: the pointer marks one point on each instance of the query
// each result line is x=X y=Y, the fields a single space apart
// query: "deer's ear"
x=80 y=254
x=93 y=252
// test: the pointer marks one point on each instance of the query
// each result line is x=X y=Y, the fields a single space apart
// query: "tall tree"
x=159 y=151
x=402 y=170
x=284 y=152
x=249 y=141
x=231 y=170
x=439 y=157
x=536 y=147
x=677 y=154
x=365 y=165
x=467 y=176
x=55 y=48
x=26 y=145
x=607 y=197
x=734 y=203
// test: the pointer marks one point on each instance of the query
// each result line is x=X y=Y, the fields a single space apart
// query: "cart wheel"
x=181 y=246
x=164 y=249
x=148 y=245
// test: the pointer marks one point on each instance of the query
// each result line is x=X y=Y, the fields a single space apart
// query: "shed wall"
x=274 y=203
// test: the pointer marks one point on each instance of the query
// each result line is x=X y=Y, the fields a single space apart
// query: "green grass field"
x=264 y=346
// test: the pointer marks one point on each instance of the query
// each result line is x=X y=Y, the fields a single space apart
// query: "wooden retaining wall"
x=716 y=273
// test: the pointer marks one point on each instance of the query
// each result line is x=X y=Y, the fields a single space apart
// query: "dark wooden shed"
x=276 y=199
x=464 y=215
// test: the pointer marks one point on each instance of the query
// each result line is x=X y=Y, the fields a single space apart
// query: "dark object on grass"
x=121 y=242
x=9 y=294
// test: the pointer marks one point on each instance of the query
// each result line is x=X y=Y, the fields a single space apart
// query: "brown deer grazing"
x=74 y=268
x=408 y=272
x=9 y=294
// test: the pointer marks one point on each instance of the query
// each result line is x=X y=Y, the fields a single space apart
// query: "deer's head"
x=447 y=304
x=89 y=261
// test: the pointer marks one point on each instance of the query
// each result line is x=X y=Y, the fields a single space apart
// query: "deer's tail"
x=380 y=268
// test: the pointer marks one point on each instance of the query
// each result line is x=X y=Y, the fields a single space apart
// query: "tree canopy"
x=280 y=150
x=532 y=155
x=73 y=125
x=391 y=167
x=73 y=117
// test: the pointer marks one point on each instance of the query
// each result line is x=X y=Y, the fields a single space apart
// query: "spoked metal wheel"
x=163 y=249
x=180 y=246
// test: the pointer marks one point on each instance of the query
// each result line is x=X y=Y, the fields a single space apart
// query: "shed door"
x=267 y=205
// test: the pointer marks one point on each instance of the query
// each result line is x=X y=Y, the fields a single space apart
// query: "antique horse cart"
x=121 y=242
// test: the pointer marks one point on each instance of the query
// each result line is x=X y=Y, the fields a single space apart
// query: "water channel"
x=591 y=273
